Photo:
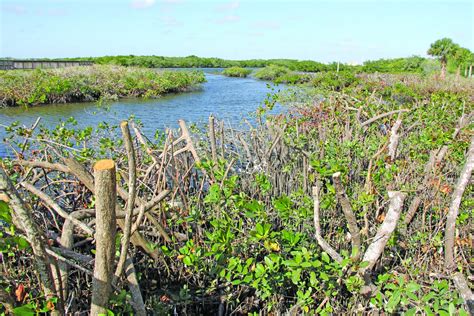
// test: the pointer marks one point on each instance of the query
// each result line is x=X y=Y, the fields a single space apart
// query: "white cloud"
x=142 y=4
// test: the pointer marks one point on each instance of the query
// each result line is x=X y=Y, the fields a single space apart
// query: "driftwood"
x=105 y=193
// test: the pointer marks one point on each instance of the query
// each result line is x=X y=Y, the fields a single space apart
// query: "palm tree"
x=462 y=57
x=443 y=49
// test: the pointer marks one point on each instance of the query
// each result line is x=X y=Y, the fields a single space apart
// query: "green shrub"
x=334 y=80
x=75 y=84
x=236 y=72
x=271 y=72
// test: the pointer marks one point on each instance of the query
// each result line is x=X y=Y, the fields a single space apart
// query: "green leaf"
x=452 y=309
x=325 y=257
x=5 y=213
x=393 y=301
x=413 y=287
x=187 y=261
x=25 y=310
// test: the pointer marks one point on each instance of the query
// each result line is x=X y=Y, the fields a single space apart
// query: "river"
x=229 y=99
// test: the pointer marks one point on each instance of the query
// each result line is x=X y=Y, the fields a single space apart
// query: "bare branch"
x=377 y=117
x=317 y=227
x=349 y=214
x=385 y=230
x=132 y=182
x=52 y=204
x=463 y=180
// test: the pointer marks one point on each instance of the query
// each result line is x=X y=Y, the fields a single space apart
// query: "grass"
x=77 y=84
x=239 y=72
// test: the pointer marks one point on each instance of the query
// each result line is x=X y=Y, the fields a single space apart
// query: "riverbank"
x=91 y=83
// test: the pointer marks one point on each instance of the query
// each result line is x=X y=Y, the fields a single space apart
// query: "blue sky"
x=347 y=31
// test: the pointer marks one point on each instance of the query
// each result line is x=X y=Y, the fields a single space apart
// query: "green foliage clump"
x=333 y=80
x=396 y=65
x=293 y=78
x=76 y=84
x=236 y=72
x=271 y=72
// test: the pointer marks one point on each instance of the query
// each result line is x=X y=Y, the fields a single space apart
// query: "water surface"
x=229 y=99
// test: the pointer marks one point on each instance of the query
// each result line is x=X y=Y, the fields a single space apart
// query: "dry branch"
x=33 y=234
x=137 y=299
x=385 y=230
x=377 y=117
x=464 y=291
x=132 y=183
x=463 y=181
x=52 y=204
x=317 y=227
x=212 y=138
x=394 y=139
x=348 y=213
x=80 y=172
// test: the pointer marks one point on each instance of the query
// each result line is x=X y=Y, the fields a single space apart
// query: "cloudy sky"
x=348 y=31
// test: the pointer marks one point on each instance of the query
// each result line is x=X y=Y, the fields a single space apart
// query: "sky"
x=325 y=31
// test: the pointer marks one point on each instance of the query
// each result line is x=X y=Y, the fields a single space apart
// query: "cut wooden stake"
x=105 y=195
x=80 y=172
x=317 y=227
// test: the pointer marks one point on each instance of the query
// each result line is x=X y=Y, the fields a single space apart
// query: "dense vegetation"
x=236 y=72
x=280 y=218
x=18 y=87
x=356 y=200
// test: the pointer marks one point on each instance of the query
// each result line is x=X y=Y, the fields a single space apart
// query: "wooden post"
x=105 y=195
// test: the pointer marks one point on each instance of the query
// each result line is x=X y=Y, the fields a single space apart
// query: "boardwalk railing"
x=10 y=64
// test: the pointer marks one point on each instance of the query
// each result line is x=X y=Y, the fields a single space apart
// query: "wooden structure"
x=10 y=64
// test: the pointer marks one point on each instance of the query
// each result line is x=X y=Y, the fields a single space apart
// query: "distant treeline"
x=414 y=64
x=397 y=65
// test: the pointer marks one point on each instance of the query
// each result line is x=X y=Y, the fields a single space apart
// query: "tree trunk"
x=470 y=71
x=443 y=70
x=105 y=194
